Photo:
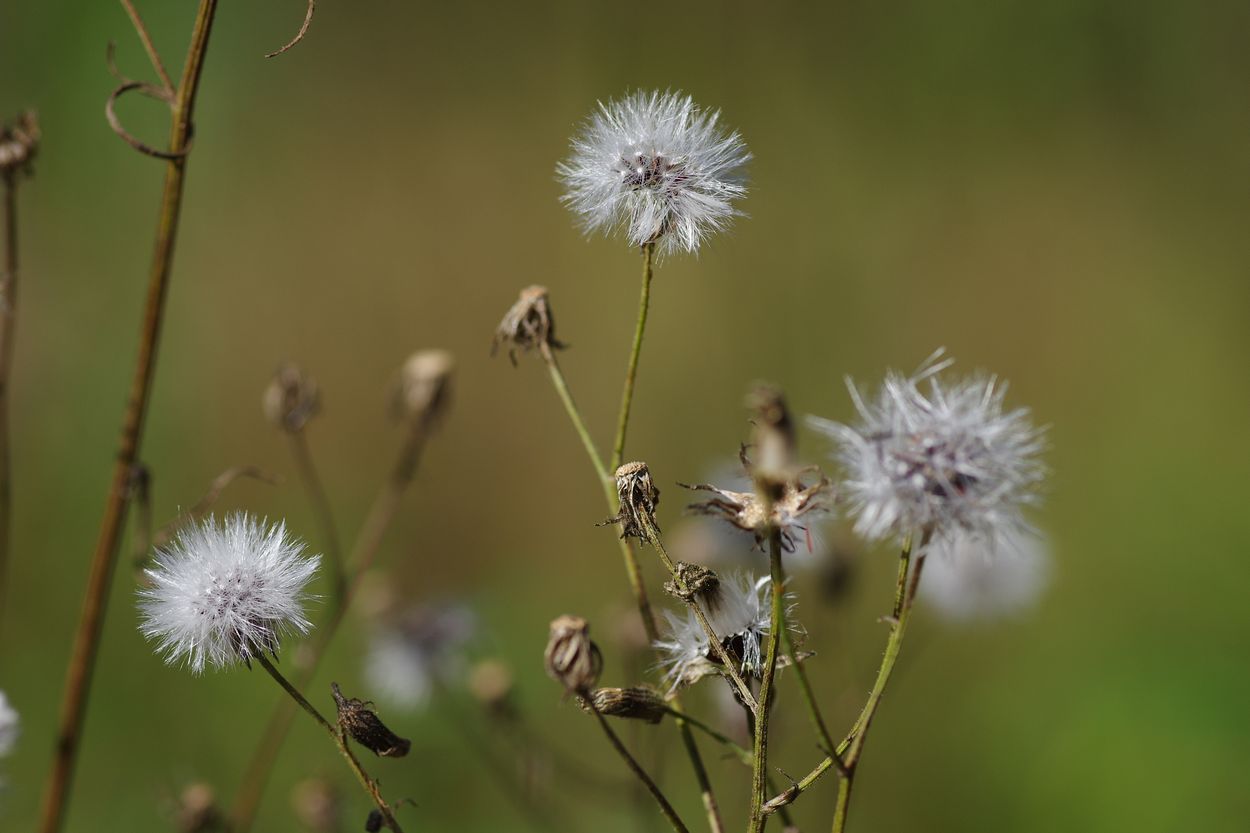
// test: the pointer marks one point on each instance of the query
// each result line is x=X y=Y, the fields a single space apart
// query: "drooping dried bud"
x=424 y=390
x=572 y=659
x=694 y=581
x=638 y=497
x=198 y=811
x=19 y=143
x=359 y=721
x=373 y=821
x=528 y=324
x=634 y=703
x=790 y=509
x=774 y=438
x=490 y=683
x=292 y=398
x=318 y=805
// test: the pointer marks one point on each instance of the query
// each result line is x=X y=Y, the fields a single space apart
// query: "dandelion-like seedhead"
x=738 y=611
x=655 y=167
x=967 y=579
x=949 y=458
x=10 y=726
x=407 y=657
x=222 y=593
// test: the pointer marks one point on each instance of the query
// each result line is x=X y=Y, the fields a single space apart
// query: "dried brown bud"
x=424 y=390
x=359 y=721
x=198 y=811
x=527 y=324
x=490 y=683
x=373 y=821
x=774 y=438
x=638 y=497
x=635 y=703
x=291 y=399
x=19 y=143
x=694 y=580
x=318 y=805
x=572 y=659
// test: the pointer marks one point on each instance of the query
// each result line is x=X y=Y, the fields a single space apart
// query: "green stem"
x=631 y=371
x=340 y=741
x=665 y=807
x=8 y=321
x=776 y=624
x=579 y=424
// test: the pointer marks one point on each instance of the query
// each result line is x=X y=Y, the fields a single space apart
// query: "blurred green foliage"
x=1055 y=191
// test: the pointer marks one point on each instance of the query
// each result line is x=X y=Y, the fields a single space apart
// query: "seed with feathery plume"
x=945 y=459
x=222 y=593
x=657 y=168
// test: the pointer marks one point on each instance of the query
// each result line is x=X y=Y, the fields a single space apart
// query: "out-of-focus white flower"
x=657 y=168
x=407 y=657
x=10 y=726
x=948 y=458
x=965 y=580
x=224 y=593
x=738 y=611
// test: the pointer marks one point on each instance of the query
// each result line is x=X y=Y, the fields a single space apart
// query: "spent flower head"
x=222 y=593
x=948 y=458
x=527 y=325
x=657 y=168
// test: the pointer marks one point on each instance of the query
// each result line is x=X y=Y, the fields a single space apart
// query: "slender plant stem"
x=149 y=46
x=739 y=751
x=575 y=415
x=320 y=503
x=340 y=740
x=8 y=328
x=364 y=551
x=667 y=809
x=104 y=559
x=631 y=370
x=805 y=687
x=776 y=624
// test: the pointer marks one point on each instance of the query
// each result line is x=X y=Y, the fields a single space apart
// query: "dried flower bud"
x=490 y=683
x=291 y=399
x=373 y=821
x=694 y=580
x=635 y=703
x=359 y=721
x=774 y=439
x=318 y=805
x=424 y=390
x=638 y=497
x=198 y=811
x=572 y=659
x=19 y=142
x=527 y=324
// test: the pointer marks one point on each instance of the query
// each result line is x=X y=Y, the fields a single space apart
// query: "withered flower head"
x=198 y=811
x=528 y=324
x=638 y=498
x=19 y=142
x=424 y=390
x=572 y=659
x=634 y=703
x=692 y=582
x=490 y=683
x=789 y=512
x=359 y=721
x=373 y=821
x=292 y=398
x=774 y=439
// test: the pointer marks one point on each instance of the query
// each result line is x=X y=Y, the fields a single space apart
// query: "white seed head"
x=10 y=726
x=655 y=167
x=948 y=458
x=407 y=657
x=966 y=579
x=223 y=593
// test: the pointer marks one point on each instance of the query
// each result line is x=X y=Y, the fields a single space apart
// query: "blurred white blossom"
x=421 y=648
x=964 y=580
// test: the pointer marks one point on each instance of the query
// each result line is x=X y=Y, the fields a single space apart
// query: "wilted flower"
x=949 y=460
x=571 y=658
x=638 y=497
x=634 y=703
x=407 y=657
x=528 y=324
x=224 y=593
x=10 y=726
x=656 y=167
x=965 y=581
x=366 y=728
x=790 y=512
x=292 y=398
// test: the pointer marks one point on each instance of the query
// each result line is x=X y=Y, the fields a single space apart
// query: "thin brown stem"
x=665 y=807
x=299 y=36
x=104 y=559
x=149 y=46
x=776 y=624
x=8 y=329
x=321 y=507
x=337 y=735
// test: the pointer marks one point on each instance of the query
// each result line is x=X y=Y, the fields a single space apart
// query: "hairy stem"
x=631 y=370
x=776 y=624
x=320 y=504
x=8 y=325
x=340 y=740
x=667 y=809
x=104 y=559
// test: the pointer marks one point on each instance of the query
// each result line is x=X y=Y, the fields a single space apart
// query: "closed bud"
x=634 y=703
x=572 y=659
x=638 y=498
x=527 y=325
x=291 y=399
x=424 y=390
x=359 y=721
x=19 y=142
x=693 y=581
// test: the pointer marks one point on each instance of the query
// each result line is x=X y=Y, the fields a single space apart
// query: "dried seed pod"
x=291 y=399
x=359 y=721
x=694 y=581
x=373 y=821
x=528 y=324
x=638 y=497
x=634 y=703
x=572 y=659
x=490 y=683
x=19 y=143
x=424 y=390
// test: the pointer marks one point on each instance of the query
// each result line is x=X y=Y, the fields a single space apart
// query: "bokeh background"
x=1058 y=192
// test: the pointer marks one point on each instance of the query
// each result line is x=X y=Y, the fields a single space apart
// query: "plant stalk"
x=665 y=807
x=631 y=370
x=8 y=327
x=776 y=624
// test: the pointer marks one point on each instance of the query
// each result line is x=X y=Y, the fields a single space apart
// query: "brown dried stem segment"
x=104 y=558
x=665 y=807
x=299 y=36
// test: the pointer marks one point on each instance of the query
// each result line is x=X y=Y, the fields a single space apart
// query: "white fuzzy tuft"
x=964 y=582
x=654 y=166
x=224 y=593
x=10 y=726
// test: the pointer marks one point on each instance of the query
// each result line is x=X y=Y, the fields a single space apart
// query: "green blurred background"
x=1056 y=191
